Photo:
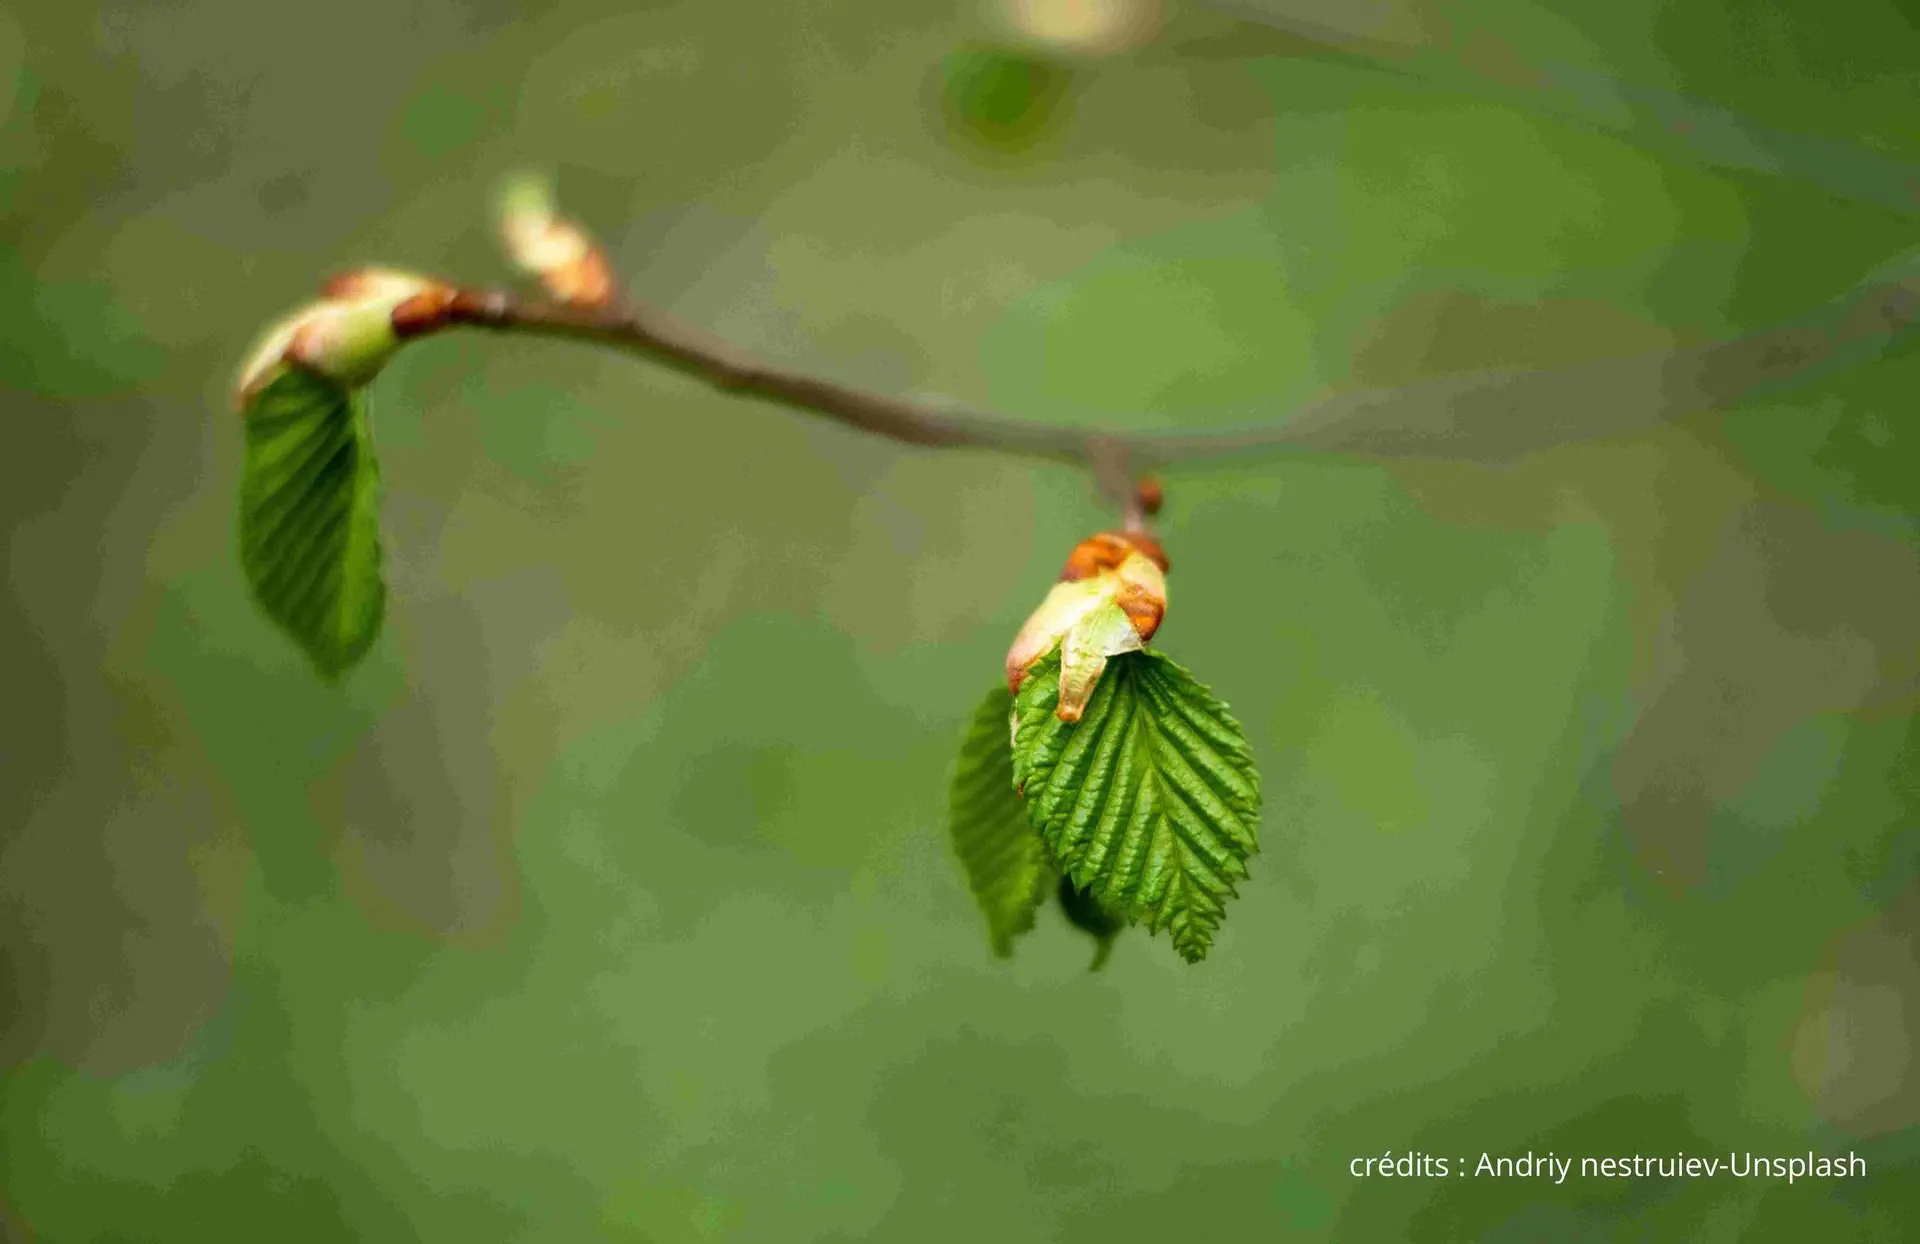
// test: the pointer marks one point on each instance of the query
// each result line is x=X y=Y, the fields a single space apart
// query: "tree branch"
x=703 y=356
x=1486 y=416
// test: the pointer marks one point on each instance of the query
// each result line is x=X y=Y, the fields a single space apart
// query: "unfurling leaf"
x=1105 y=632
x=1110 y=599
x=1150 y=801
x=1005 y=861
x=1092 y=917
x=309 y=516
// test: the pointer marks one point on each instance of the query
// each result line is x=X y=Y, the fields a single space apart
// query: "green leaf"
x=309 y=517
x=1092 y=917
x=1003 y=99
x=1150 y=802
x=1005 y=861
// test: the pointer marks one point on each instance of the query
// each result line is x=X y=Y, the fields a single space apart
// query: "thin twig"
x=703 y=356
x=1486 y=416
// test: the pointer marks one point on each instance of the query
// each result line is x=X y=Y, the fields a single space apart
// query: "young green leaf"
x=1092 y=917
x=1005 y=861
x=1150 y=801
x=309 y=517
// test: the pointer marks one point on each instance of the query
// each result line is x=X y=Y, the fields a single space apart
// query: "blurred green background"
x=610 y=900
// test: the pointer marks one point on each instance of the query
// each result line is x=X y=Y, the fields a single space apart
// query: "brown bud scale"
x=425 y=312
x=1107 y=550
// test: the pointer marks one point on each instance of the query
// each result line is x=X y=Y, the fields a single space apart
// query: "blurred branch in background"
x=1390 y=38
x=1007 y=94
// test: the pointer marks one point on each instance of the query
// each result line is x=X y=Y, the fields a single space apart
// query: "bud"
x=347 y=336
x=555 y=250
x=1110 y=599
x=1083 y=27
x=375 y=285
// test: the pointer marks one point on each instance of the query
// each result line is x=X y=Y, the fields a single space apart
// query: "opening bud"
x=554 y=250
x=347 y=336
x=1110 y=599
